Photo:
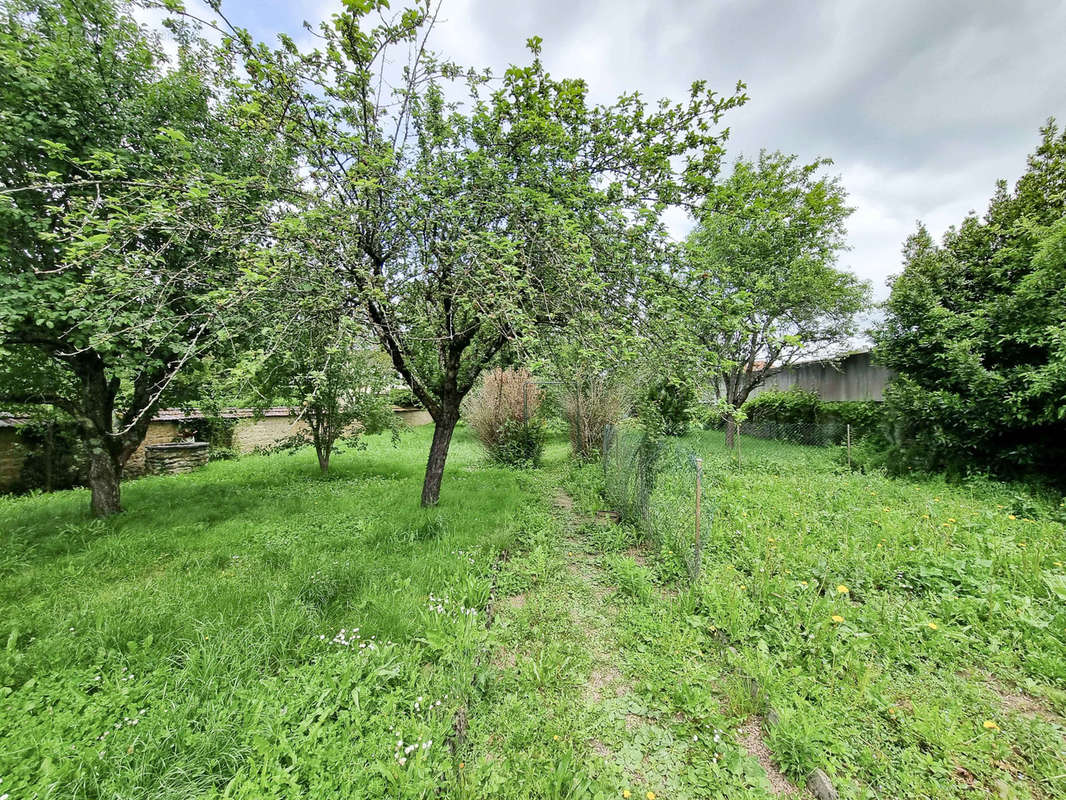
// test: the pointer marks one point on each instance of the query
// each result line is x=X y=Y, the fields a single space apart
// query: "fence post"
x=699 y=496
x=525 y=401
x=849 y=445
x=738 y=445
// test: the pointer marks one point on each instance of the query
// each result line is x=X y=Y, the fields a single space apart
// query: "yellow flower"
x=880 y=545
x=462 y=765
x=932 y=625
x=842 y=589
x=556 y=737
x=626 y=793
x=950 y=519
x=743 y=588
x=650 y=795
x=925 y=516
x=936 y=499
x=1058 y=563
x=1011 y=516
x=837 y=618
x=803 y=584
x=990 y=725
x=886 y=509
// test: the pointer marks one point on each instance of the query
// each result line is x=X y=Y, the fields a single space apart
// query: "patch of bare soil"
x=516 y=601
x=750 y=737
x=564 y=501
x=602 y=677
x=1018 y=702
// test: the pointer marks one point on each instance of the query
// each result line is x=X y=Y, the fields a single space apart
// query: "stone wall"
x=11 y=457
x=248 y=435
x=159 y=432
x=251 y=434
x=167 y=459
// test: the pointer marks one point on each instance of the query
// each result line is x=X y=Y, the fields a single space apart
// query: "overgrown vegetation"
x=503 y=414
x=976 y=329
x=909 y=634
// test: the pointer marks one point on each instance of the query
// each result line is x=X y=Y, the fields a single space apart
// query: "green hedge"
x=799 y=406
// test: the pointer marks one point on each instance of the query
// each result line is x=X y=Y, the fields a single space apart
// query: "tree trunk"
x=730 y=433
x=105 y=477
x=323 y=459
x=438 y=454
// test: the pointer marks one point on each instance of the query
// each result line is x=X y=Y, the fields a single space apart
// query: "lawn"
x=256 y=630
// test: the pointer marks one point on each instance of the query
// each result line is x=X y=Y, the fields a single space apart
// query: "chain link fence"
x=814 y=434
x=657 y=486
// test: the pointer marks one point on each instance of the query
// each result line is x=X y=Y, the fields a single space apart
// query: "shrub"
x=667 y=408
x=404 y=398
x=502 y=414
x=589 y=406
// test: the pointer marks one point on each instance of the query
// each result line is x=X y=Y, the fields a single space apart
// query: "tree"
x=457 y=226
x=130 y=210
x=332 y=374
x=976 y=330
x=759 y=284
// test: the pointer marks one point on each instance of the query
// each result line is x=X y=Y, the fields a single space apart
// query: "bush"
x=404 y=398
x=667 y=408
x=589 y=407
x=520 y=444
x=800 y=407
x=502 y=414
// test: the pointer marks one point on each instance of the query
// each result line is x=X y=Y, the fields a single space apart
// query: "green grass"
x=206 y=613
x=885 y=621
x=189 y=647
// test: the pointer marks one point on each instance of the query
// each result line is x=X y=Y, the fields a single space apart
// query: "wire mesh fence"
x=658 y=487
x=814 y=434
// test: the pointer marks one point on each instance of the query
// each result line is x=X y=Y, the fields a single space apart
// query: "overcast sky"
x=921 y=104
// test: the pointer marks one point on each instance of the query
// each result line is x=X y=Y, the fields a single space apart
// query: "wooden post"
x=849 y=445
x=525 y=401
x=699 y=496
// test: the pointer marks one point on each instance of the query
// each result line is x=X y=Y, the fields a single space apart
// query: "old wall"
x=853 y=378
x=11 y=457
x=158 y=433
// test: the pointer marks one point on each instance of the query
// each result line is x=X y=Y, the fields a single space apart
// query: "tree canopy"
x=131 y=208
x=759 y=287
x=461 y=211
x=976 y=329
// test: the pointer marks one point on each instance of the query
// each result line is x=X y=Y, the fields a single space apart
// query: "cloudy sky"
x=922 y=105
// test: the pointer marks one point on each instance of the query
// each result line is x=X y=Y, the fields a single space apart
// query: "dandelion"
x=842 y=589
x=886 y=509
x=925 y=516
x=1058 y=563
x=462 y=765
x=837 y=618
x=990 y=725
x=931 y=625
x=803 y=584
x=650 y=795
x=951 y=519
x=555 y=737
x=626 y=793
x=1011 y=516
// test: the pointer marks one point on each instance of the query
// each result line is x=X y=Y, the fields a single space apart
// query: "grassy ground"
x=256 y=631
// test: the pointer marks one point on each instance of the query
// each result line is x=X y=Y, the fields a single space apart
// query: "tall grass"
x=189 y=646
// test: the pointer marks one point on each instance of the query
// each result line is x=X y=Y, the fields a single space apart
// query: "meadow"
x=257 y=630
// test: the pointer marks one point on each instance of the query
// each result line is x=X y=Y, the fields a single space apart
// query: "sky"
x=922 y=106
